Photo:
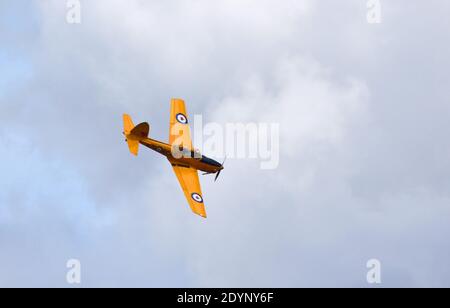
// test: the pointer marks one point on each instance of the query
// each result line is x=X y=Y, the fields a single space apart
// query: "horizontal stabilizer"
x=133 y=145
x=134 y=134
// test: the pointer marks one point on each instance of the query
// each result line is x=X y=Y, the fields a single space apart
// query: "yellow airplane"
x=184 y=159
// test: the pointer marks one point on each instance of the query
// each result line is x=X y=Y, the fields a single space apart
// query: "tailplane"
x=134 y=134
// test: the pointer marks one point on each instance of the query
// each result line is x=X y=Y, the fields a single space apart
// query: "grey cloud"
x=364 y=158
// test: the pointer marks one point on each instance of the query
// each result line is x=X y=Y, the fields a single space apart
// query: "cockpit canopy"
x=195 y=153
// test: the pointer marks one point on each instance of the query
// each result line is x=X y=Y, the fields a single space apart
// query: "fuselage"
x=189 y=158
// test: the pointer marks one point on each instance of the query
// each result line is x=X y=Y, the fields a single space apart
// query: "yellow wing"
x=188 y=178
x=180 y=133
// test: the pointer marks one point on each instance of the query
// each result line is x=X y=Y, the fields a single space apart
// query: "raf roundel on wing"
x=197 y=197
x=182 y=118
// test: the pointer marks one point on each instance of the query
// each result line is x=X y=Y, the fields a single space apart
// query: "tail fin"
x=134 y=134
x=127 y=124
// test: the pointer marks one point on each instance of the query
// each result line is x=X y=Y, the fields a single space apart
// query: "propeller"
x=218 y=173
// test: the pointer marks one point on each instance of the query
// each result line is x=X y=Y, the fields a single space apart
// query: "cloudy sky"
x=364 y=168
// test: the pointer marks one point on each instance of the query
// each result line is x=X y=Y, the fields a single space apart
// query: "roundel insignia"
x=181 y=118
x=197 y=198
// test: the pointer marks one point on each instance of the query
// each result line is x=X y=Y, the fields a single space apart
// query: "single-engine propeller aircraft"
x=184 y=159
